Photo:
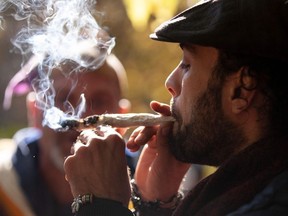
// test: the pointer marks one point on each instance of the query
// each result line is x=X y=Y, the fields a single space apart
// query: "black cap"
x=256 y=27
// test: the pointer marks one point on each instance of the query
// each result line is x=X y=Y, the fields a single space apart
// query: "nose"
x=173 y=83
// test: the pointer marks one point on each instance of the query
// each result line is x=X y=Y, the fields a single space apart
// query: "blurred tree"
x=148 y=63
x=140 y=12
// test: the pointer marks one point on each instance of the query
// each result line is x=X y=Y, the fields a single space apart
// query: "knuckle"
x=69 y=164
x=82 y=152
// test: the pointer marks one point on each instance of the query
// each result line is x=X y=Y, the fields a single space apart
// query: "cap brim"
x=246 y=27
x=190 y=25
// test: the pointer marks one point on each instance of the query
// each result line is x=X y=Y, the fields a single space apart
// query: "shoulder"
x=26 y=140
x=27 y=135
x=19 y=143
x=273 y=200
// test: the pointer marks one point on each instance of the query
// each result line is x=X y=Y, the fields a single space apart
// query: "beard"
x=210 y=138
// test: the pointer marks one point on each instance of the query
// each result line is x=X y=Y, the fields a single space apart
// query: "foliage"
x=140 y=12
x=148 y=63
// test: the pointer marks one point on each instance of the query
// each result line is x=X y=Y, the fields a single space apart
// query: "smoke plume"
x=57 y=31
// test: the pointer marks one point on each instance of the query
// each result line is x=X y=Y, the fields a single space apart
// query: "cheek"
x=187 y=100
x=184 y=105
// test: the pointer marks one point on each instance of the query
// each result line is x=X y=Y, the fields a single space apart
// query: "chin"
x=186 y=147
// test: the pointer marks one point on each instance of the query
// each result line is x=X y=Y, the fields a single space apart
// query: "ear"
x=124 y=105
x=242 y=91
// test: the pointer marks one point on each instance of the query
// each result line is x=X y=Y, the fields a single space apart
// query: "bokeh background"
x=147 y=62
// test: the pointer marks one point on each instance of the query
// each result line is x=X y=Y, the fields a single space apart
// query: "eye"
x=184 y=66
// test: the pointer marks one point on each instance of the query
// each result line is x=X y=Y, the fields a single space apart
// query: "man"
x=229 y=100
x=33 y=182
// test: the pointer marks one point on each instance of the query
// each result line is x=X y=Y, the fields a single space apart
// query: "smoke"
x=61 y=30
x=3 y=7
x=57 y=31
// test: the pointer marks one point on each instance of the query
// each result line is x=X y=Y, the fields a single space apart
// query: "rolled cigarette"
x=115 y=120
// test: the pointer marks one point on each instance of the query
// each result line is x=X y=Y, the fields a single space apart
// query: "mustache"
x=178 y=126
x=174 y=112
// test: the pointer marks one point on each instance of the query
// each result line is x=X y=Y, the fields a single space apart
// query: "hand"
x=158 y=174
x=98 y=166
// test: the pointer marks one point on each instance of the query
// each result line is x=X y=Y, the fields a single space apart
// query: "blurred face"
x=202 y=133
x=102 y=93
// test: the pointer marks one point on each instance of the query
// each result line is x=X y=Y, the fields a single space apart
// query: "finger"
x=131 y=145
x=84 y=139
x=145 y=135
x=135 y=133
x=108 y=131
x=99 y=133
x=161 y=108
x=88 y=134
x=81 y=139
x=103 y=135
x=140 y=137
x=76 y=146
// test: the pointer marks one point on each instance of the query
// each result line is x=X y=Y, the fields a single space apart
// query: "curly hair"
x=271 y=79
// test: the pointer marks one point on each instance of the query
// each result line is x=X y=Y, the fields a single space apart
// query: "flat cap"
x=255 y=27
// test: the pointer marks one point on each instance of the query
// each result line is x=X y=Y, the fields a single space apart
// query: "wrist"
x=140 y=204
x=83 y=203
x=79 y=201
x=154 y=191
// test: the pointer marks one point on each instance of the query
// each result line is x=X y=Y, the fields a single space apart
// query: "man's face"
x=102 y=94
x=202 y=134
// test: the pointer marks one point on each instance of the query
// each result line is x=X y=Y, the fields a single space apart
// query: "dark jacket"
x=26 y=165
x=253 y=183
x=23 y=191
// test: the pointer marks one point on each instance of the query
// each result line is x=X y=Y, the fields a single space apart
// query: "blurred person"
x=229 y=100
x=32 y=177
